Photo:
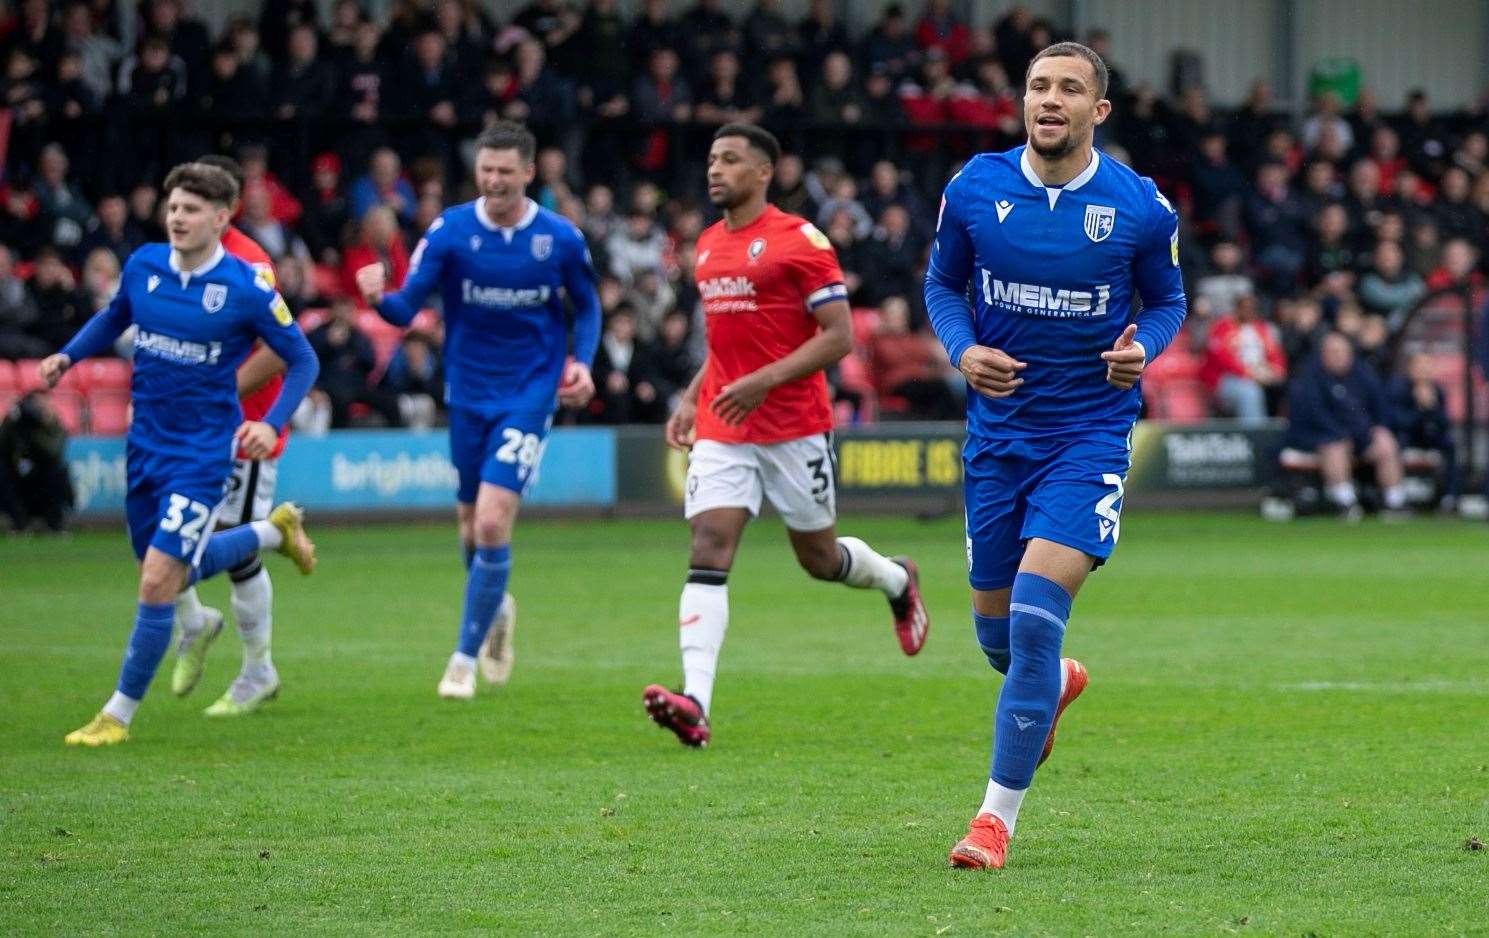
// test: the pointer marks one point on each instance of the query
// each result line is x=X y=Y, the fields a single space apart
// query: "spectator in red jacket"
x=940 y=29
x=910 y=366
x=1243 y=358
x=378 y=240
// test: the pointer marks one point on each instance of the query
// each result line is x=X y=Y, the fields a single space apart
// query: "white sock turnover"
x=865 y=569
x=1003 y=803
x=253 y=601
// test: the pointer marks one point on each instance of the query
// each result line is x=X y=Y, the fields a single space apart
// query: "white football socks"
x=121 y=708
x=253 y=601
x=702 y=618
x=188 y=612
x=1004 y=803
x=865 y=569
x=268 y=535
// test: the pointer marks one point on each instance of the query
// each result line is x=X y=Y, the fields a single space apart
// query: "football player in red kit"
x=756 y=419
x=249 y=498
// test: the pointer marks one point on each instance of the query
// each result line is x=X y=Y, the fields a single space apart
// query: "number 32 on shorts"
x=176 y=522
x=1108 y=510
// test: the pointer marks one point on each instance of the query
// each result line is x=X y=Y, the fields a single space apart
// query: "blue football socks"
x=1031 y=692
x=147 y=645
x=484 y=586
x=992 y=635
x=225 y=550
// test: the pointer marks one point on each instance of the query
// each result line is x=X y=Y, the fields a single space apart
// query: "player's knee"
x=712 y=548
x=159 y=583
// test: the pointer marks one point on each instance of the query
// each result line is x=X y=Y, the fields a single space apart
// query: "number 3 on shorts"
x=520 y=449
x=1109 y=514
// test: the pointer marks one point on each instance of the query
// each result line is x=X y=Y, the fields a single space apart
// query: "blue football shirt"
x=1054 y=275
x=192 y=331
x=502 y=292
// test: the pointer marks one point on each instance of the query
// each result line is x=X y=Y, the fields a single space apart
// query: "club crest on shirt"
x=757 y=247
x=1100 y=219
x=475 y=242
x=152 y=283
x=214 y=297
x=542 y=246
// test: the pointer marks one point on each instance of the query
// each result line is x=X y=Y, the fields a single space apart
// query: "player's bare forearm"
x=833 y=341
x=690 y=393
x=257 y=370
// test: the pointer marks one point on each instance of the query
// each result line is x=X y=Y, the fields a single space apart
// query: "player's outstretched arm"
x=400 y=308
x=97 y=335
x=833 y=340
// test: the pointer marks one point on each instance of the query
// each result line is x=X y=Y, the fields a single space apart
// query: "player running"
x=503 y=267
x=756 y=418
x=196 y=311
x=1056 y=241
x=250 y=494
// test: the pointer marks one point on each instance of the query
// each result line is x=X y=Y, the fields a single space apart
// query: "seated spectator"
x=1227 y=279
x=18 y=315
x=1331 y=250
x=65 y=213
x=283 y=206
x=1243 y=359
x=1302 y=331
x=891 y=258
x=1459 y=268
x=378 y=239
x=842 y=199
x=258 y=223
x=625 y=373
x=640 y=245
x=889 y=45
x=1277 y=227
x=886 y=188
x=145 y=211
x=1388 y=288
x=61 y=307
x=383 y=184
x=788 y=189
x=1337 y=409
x=910 y=365
x=939 y=28
x=327 y=211
x=347 y=362
x=650 y=297
x=725 y=98
x=34 y=482
x=100 y=277
x=1422 y=420
x=675 y=361
x=415 y=377
x=112 y=229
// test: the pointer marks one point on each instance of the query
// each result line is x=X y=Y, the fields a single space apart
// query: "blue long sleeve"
x=292 y=346
x=946 y=279
x=99 y=332
x=579 y=283
x=1156 y=276
x=401 y=306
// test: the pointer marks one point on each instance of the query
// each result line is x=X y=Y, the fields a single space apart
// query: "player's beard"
x=725 y=198
x=1063 y=147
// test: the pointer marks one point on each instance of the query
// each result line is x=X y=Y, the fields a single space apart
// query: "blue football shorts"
x=1065 y=490
x=172 y=501
x=502 y=449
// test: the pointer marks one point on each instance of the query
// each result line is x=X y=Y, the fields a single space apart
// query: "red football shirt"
x=257 y=404
x=759 y=285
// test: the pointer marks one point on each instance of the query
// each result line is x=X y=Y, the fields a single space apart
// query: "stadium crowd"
x=353 y=134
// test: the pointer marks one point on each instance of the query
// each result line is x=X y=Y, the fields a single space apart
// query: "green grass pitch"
x=1287 y=732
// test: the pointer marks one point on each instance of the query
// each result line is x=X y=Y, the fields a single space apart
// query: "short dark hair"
x=1078 y=51
x=758 y=138
x=227 y=164
x=509 y=135
x=201 y=179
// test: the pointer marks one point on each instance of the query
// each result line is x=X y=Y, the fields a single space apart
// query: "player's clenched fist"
x=372 y=280
x=1126 y=360
x=51 y=368
x=256 y=439
x=578 y=385
x=991 y=372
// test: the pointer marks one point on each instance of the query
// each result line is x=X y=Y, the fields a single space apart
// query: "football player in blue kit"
x=196 y=311
x=504 y=268
x=1071 y=264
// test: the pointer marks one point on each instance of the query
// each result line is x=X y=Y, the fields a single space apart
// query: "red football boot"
x=911 y=623
x=984 y=847
x=679 y=713
x=1075 y=682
